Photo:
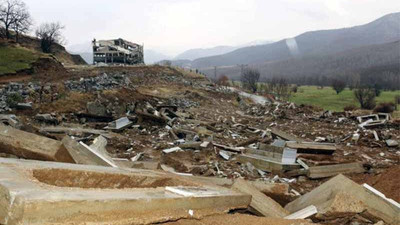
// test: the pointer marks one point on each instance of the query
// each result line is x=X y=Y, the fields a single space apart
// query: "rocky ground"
x=193 y=111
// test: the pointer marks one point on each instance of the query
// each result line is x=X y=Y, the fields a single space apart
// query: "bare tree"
x=223 y=81
x=22 y=24
x=49 y=34
x=366 y=97
x=250 y=78
x=14 y=15
x=282 y=88
x=338 y=85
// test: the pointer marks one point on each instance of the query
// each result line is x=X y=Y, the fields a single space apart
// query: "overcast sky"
x=172 y=26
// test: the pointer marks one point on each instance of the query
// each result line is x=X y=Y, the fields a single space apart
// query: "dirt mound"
x=388 y=183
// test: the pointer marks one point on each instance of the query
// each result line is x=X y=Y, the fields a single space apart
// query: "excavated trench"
x=90 y=179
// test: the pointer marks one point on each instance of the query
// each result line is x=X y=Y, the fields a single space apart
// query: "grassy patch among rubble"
x=327 y=98
x=13 y=59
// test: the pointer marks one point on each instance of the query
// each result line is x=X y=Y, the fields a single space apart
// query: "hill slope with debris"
x=171 y=121
x=25 y=56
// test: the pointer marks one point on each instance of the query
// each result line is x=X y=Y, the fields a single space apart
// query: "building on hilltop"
x=117 y=51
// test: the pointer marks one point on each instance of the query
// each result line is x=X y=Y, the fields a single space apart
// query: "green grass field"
x=327 y=98
x=13 y=59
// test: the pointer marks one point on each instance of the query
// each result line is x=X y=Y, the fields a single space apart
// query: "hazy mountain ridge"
x=383 y=30
x=196 y=53
x=309 y=69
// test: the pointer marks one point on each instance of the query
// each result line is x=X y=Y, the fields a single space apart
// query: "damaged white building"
x=117 y=51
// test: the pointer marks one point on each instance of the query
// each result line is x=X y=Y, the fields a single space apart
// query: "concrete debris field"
x=159 y=145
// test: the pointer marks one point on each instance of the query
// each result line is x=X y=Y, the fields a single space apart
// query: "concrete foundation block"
x=44 y=193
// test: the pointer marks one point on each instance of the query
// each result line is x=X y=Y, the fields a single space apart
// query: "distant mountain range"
x=193 y=54
x=319 y=54
x=383 y=30
x=350 y=61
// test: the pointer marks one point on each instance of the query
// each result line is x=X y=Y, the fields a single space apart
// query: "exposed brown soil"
x=387 y=182
x=239 y=219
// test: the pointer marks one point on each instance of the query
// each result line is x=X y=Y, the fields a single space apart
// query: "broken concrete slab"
x=333 y=170
x=283 y=155
x=24 y=106
x=76 y=131
x=285 y=136
x=119 y=124
x=228 y=148
x=373 y=124
x=372 y=117
x=82 y=154
x=260 y=203
x=312 y=147
x=31 y=146
x=392 y=143
x=10 y=119
x=304 y=213
x=100 y=144
x=225 y=155
x=100 y=155
x=271 y=188
x=303 y=164
x=381 y=195
x=46 y=118
x=40 y=193
x=342 y=195
x=205 y=144
x=266 y=164
x=170 y=150
x=137 y=157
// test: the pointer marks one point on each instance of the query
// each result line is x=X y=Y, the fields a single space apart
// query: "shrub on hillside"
x=366 y=97
x=294 y=89
x=14 y=99
x=385 y=107
x=338 y=85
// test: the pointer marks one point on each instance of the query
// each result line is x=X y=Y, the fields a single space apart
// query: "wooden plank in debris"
x=260 y=203
x=333 y=170
x=312 y=148
x=266 y=164
x=284 y=135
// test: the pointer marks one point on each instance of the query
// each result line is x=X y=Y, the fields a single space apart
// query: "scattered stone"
x=46 y=118
x=392 y=143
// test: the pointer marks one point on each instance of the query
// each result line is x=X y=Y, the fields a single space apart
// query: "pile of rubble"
x=190 y=158
x=98 y=83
